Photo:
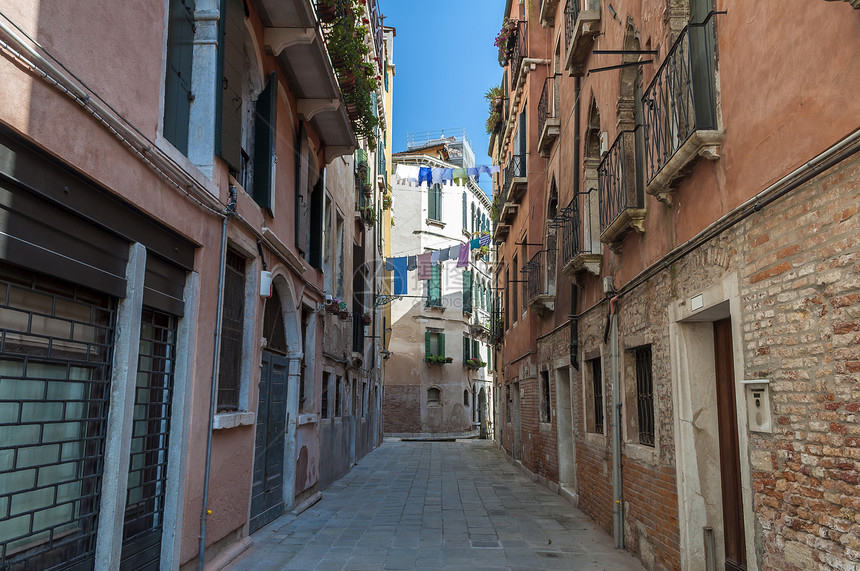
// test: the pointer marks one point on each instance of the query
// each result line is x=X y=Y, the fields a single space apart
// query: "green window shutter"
x=465 y=224
x=442 y=344
x=264 y=144
x=476 y=350
x=426 y=344
x=434 y=286
x=177 y=84
x=231 y=58
x=467 y=291
x=465 y=348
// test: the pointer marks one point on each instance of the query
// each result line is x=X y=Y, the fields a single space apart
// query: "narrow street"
x=435 y=505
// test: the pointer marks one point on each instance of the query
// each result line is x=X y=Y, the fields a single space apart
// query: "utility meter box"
x=758 y=405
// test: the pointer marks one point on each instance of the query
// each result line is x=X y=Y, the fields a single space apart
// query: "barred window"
x=644 y=395
x=545 y=402
x=232 y=326
x=596 y=424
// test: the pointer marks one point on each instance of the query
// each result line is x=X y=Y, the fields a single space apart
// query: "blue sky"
x=445 y=61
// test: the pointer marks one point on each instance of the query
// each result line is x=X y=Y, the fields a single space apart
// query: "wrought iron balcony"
x=539 y=295
x=520 y=51
x=580 y=246
x=622 y=202
x=548 y=122
x=581 y=26
x=680 y=118
x=515 y=179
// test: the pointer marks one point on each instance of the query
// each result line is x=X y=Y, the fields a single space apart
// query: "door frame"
x=692 y=360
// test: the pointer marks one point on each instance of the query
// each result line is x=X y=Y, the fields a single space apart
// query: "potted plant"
x=369 y=215
x=366 y=319
x=386 y=202
x=343 y=311
x=495 y=96
x=437 y=359
x=506 y=40
x=333 y=305
x=474 y=363
x=327 y=10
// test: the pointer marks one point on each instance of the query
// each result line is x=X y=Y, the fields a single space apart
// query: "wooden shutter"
x=433 y=203
x=427 y=344
x=302 y=198
x=476 y=352
x=177 y=83
x=465 y=348
x=467 y=291
x=465 y=225
x=264 y=144
x=442 y=344
x=231 y=55
x=434 y=286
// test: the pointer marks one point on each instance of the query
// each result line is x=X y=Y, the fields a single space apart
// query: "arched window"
x=466 y=397
x=434 y=396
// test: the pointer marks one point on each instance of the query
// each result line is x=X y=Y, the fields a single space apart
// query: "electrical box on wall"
x=758 y=405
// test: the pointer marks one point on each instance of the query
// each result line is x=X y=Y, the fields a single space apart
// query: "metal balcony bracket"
x=278 y=39
x=705 y=144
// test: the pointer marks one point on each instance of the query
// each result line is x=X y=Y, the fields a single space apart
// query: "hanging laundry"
x=411 y=263
x=424 y=271
x=485 y=240
x=460 y=176
x=401 y=174
x=444 y=255
x=486 y=169
x=475 y=243
x=412 y=174
x=436 y=175
x=400 y=281
x=463 y=256
x=473 y=172
x=434 y=258
x=495 y=168
x=454 y=252
x=389 y=264
x=424 y=175
x=448 y=174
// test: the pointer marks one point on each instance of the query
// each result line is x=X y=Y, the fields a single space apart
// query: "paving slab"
x=434 y=506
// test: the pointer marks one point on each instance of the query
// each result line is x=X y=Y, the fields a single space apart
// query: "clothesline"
x=424 y=262
x=411 y=174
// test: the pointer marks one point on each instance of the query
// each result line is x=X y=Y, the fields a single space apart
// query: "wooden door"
x=730 y=470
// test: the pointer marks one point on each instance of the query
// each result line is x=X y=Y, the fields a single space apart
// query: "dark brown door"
x=730 y=469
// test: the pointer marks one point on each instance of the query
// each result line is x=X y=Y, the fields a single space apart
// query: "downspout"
x=617 y=508
x=204 y=512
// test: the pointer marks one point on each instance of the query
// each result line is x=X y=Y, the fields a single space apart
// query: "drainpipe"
x=617 y=514
x=204 y=512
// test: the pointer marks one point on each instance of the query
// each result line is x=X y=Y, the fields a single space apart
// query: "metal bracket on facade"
x=278 y=39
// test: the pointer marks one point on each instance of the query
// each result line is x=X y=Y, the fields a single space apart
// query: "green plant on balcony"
x=368 y=213
x=474 y=363
x=481 y=252
x=437 y=359
x=506 y=40
x=386 y=202
x=495 y=97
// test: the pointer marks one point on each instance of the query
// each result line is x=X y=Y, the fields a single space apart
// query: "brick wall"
x=402 y=411
x=801 y=324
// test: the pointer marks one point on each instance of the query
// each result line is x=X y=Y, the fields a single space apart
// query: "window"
x=466 y=397
x=434 y=344
x=434 y=206
x=467 y=291
x=545 y=401
x=473 y=218
x=232 y=329
x=524 y=286
x=363 y=399
x=245 y=137
x=324 y=409
x=355 y=408
x=467 y=348
x=644 y=395
x=508 y=403
x=177 y=82
x=328 y=253
x=339 y=245
x=338 y=396
x=434 y=396
x=595 y=416
x=515 y=291
x=476 y=349
x=434 y=286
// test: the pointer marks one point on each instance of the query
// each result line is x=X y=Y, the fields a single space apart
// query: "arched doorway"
x=274 y=445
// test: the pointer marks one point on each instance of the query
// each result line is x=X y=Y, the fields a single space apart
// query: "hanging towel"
x=389 y=264
x=495 y=168
x=412 y=174
x=424 y=272
x=454 y=252
x=486 y=169
x=400 y=281
x=443 y=255
x=474 y=172
x=475 y=243
x=485 y=240
x=463 y=256
x=460 y=176
x=401 y=174
x=434 y=258
x=436 y=175
x=448 y=174
x=411 y=263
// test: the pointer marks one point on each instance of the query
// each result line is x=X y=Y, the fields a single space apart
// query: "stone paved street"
x=435 y=505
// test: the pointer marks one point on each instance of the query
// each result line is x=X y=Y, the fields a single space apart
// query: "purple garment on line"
x=424 y=271
x=463 y=258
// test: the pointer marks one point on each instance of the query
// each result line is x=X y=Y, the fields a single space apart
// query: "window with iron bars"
x=644 y=395
x=596 y=396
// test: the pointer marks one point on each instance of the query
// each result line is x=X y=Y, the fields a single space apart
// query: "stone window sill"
x=227 y=420
x=438 y=223
x=308 y=418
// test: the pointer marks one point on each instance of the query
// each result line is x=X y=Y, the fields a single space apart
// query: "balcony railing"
x=571 y=11
x=680 y=105
x=516 y=168
x=548 y=123
x=621 y=197
x=534 y=270
x=546 y=106
x=580 y=248
x=520 y=51
x=376 y=26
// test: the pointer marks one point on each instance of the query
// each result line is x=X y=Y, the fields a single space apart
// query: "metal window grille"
x=55 y=361
x=546 y=403
x=232 y=328
x=147 y=476
x=571 y=12
x=324 y=400
x=644 y=395
x=597 y=391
